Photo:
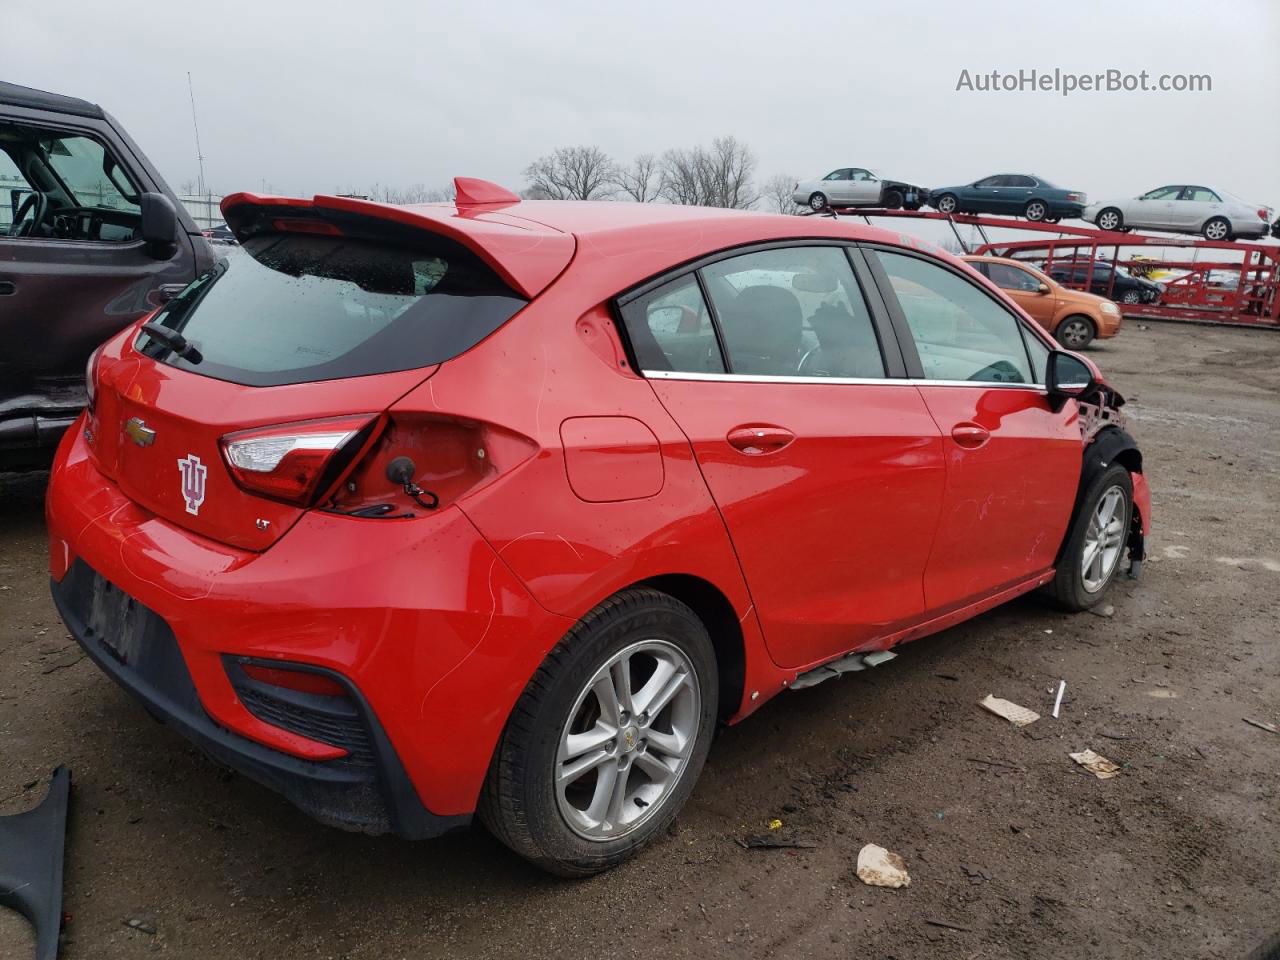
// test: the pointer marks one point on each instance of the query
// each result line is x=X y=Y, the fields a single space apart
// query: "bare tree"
x=414 y=193
x=715 y=176
x=641 y=180
x=572 y=173
x=778 y=191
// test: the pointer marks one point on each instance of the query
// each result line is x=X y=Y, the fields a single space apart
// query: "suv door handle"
x=970 y=435
x=758 y=439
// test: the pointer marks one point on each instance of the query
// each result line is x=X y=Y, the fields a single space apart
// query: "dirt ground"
x=1178 y=856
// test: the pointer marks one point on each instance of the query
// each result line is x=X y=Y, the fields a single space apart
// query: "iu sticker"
x=193 y=476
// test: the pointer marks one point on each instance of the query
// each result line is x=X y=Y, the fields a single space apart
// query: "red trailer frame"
x=1253 y=300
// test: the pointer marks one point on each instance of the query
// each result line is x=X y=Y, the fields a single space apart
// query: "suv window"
x=670 y=329
x=71 y=187
x=960 y=332
x=791 y=312
x=1012 y=278
x=298 y=308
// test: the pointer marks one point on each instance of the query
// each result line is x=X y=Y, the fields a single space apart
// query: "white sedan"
x=858 y=187
x=1184 y=208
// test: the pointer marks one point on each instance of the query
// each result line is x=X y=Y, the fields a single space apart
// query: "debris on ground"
x=1057 y=701
x=1018 y=716
x=1095 y=763
x=140 y=926
x=877 y=867
x=975 y=874
x=1106 y=610
x=775 y=824
x=946 y=925
x=1262 y=725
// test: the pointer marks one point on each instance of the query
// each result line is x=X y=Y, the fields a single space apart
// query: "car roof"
x=18 y=96
x=531 y=242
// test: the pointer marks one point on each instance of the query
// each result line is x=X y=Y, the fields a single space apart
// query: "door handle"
x=970 y=435
x=8 y=288
x=758 y=439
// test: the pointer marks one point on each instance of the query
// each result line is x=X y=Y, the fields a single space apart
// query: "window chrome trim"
x=856 y=381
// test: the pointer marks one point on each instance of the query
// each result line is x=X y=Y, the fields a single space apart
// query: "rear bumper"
x=427 y=626
x=370 y=797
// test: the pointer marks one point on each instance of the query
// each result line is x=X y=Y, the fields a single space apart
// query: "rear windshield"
x=297 y=308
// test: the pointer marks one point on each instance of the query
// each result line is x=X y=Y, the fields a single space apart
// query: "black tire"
x=1270 y=950
x=519 y=803
x=1052 y=219
x=947 y=203
x=818 y=200
x=893 y=199
x=1075 y=332
x=1068 y=587
x=1220 y=226
x=1035 y=210
x=1106 y=215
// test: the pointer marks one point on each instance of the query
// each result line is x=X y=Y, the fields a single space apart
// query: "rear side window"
x=960 y=332
x=794 y=312
x=295 y=308
x=670 y=329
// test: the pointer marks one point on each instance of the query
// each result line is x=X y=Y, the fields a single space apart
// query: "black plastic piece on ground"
x=31 y=848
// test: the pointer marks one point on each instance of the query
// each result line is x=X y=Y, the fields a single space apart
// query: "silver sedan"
x=1184 y=208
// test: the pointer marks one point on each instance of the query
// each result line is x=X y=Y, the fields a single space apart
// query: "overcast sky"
x=308 y=96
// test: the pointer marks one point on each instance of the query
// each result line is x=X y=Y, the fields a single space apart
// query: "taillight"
x=1075 y=197
x=299 y=680
x=91 y=378
x=296 y=462
x=1264 y=214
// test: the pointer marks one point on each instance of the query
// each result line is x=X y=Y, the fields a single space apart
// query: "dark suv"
x=91 y=238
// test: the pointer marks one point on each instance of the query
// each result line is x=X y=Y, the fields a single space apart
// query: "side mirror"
x=159 y=224
x=1043 y=288
x=1067 y=376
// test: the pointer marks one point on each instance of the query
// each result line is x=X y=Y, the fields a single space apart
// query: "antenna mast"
x=199 y=153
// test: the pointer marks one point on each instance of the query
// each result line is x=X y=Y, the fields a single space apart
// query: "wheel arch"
x=717 y=614
x=1111 y=445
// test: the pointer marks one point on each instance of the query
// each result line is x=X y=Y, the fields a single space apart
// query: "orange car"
x=1073 y=317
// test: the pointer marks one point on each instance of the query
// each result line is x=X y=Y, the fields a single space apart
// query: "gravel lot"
x=1003 y=835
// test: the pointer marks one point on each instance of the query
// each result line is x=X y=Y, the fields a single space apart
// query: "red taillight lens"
x=1263 y=214
x=1075 y=197
x=295 y=462
x=301 y=225
x=302 y=681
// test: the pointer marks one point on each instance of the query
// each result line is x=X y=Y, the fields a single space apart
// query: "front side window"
x=1039 y=355
x=298 y=308
x=1162 y=193
x=960 y=332
x=837 y=175
x=670 y=329
x=1012 y=278
x=990 y=182
x=794 y=312
x=58 y=185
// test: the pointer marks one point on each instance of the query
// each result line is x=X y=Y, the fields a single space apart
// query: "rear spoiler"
x=526 y=255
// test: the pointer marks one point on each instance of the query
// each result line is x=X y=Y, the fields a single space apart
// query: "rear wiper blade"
x=174 y=341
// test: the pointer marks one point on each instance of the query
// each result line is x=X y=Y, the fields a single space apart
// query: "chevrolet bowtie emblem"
x=140 y=433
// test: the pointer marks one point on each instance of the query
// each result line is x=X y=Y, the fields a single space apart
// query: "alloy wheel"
x=1036 y=210
x=817 y=201
x=1103 y=540
x=947 y=204
x=627 y=741
x=1108 y=220
x=1217 y=230
x=1131 y=296
x=1074 y=334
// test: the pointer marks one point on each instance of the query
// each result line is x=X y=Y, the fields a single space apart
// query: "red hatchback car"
x=413 y=513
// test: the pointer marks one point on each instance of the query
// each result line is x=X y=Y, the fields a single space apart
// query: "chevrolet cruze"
x=497 y=508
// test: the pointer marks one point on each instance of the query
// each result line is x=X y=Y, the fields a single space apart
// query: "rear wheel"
x=605 y=745
x=1219 y=228
x=1096 y=542
x=817 y=201
x=1075 y=333
x=1035 y=210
